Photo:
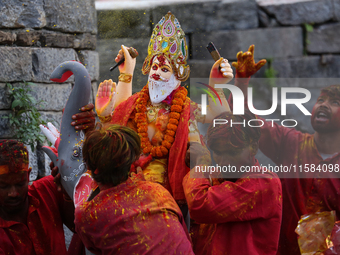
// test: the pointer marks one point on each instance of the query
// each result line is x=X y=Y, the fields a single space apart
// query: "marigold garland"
x=174 y=116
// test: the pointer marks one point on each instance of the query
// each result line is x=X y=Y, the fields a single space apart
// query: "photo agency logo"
x=239 y=101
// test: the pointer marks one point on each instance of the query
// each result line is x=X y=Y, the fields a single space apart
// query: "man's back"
x=135 y=217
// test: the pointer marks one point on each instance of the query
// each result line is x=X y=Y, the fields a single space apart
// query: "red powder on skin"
x=161 y=60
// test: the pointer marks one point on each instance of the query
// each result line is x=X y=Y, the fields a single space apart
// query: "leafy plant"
x=25 y=118
x=270 y=73
x=307 y=28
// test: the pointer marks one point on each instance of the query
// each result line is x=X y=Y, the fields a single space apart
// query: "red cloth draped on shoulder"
x=176 y=163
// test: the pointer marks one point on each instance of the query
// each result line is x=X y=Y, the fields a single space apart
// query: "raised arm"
x=111 y=95
x=221 y=73
x=246 y=67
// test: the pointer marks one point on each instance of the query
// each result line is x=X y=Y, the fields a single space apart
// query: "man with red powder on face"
x=241 y=213
x=310 y=192
x=31 y=217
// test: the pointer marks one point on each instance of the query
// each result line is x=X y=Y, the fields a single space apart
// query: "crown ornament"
x=168 y=39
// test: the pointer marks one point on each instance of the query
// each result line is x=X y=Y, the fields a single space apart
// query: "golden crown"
x=169 y=39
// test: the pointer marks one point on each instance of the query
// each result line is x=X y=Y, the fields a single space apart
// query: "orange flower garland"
x=174 y=116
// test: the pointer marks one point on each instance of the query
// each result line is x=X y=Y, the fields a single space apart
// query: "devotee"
x=31 y=217
x=161 y=113
x=240 y=212
x=129 y=215
x=308 y=192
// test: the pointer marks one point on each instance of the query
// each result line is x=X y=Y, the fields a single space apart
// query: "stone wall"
x=299 y=40
x=36 y=36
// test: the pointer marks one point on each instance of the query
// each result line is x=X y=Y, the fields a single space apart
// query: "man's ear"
x=254 y=147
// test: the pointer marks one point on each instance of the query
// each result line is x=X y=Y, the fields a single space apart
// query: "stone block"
x=336 y=6
x=53 y=117
x=28 y=37
x=47 y=162
x=212 y=15
x=26 y=13
x=93 y=92
x=71 y=16
x=233 y=14
x=311 y=66
x=33 y=162
x=90 y=59
x=200 y=68
x=45 y=60
x=7 y=37
x=85 y=41
x=108 y=50
x=57 y=40
x=5 y=130
x=5 y=102
x=54 y=96
x=15 y=64
x=269 y=43
x=324 y=39
x=54 y=39
x=193 y=17
x=265 y=20
x=124 y=23
x=299 y=13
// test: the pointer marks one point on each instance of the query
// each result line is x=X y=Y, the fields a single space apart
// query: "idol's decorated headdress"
x=169 y=39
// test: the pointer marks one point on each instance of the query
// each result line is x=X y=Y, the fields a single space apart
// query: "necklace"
x=152 y=111
x=142 y=122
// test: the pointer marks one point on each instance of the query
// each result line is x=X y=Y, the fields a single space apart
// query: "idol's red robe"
x=242 y=217
x=44 y=232
x=135 y=217
x=303 y=193
x=176 y=161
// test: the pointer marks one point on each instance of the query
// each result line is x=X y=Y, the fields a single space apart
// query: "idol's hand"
x=245 y=65
x=106 y=97
x=221 y=72
x=129 y=64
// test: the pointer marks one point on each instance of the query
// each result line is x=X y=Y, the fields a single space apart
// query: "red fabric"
x=301 y=195
x=76 y=246
x=241 y=217
x=44 y=232
x=176 y=161
x=135 y=217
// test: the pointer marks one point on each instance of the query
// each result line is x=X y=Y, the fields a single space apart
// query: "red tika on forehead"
x=161 y=60
x=6 y=169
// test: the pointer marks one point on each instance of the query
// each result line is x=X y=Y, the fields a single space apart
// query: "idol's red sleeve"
x=246 y=199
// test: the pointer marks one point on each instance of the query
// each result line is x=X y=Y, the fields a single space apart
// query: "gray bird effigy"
x=67 y=154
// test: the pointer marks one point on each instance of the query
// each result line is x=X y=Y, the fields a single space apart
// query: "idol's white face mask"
x=160 y=89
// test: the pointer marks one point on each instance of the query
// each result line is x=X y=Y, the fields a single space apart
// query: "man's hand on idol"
x=85 y=120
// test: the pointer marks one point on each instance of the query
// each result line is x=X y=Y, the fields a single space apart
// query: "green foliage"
x=270 y=73
x=25 y=118
x=309 y=27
